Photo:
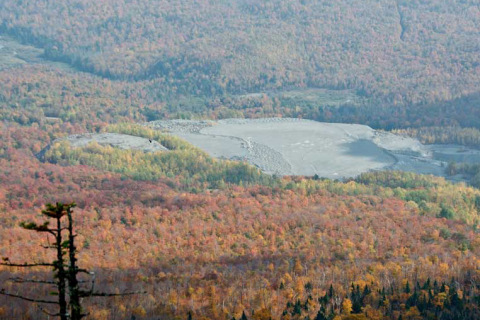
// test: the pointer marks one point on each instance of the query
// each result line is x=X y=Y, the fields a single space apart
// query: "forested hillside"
x=400 y=51
x=215 y=239
x=407 y=244
x=31 y=93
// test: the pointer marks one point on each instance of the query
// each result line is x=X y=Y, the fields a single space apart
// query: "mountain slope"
x=401 y=51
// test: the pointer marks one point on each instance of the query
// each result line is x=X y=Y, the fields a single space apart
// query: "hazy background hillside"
x=398 y=51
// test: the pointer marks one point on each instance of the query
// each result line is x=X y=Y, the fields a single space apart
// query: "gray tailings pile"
x=286 y=146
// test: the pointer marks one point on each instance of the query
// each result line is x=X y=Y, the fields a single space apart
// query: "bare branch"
x=48 y=247
x=51 y=231
x=83 y=281
x=25 y=265
x=20 y=280
x=85 y=271
x=90 y=293
x=25 y=298
x=86 y=294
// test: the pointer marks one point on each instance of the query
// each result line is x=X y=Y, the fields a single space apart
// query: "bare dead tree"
x=63 y=273
x=59 y=273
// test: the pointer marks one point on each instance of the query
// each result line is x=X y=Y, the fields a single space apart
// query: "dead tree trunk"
x=62 y=272
x=59 y=274
x=73 y=285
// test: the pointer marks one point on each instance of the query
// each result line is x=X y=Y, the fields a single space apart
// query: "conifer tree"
x=65 y=269
x=244 y=317
x=407 y=287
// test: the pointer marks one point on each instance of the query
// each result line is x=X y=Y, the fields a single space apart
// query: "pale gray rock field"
x=122 y=141
x=285 y=146
x=304 y=147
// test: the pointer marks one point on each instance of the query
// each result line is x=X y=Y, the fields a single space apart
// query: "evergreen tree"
x=297 y=308
x=426 y=285
x=330 y=292
x=455 y=301
x=309 y=286
x=407 y=288
x=413 y=299
x=357 y=306
x=443 y=288
x=321 y=315
x=366 y=291
x=244 y=317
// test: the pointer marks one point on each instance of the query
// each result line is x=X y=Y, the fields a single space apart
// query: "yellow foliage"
x=355 y=317
x=373 y=314
x=443 y=268
x=122 y=308
x=371 y=279
x=262 y=314
x=190 y=291
x=172 y=298
x=439 y=299
x=139 y=311
x=102 y=314
x=394 y=268
x=360 y=283
x=346 y=306
x=299 y=287
x=348 y=244
x=298 y=268
x=413 y=314
x=289 y=294
x=287 y=278
x=433 y=259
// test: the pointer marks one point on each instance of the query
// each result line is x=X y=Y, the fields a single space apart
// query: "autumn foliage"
x=215 y=239
x=221 y=252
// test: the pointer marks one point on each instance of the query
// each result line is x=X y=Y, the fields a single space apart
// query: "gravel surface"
x=122 y=141
x=180 y=126
x=287 y=146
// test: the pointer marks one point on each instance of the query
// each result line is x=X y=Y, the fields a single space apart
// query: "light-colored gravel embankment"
x=180 y=126
x=286 y=146
x=296 y=147
x=117 y=140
